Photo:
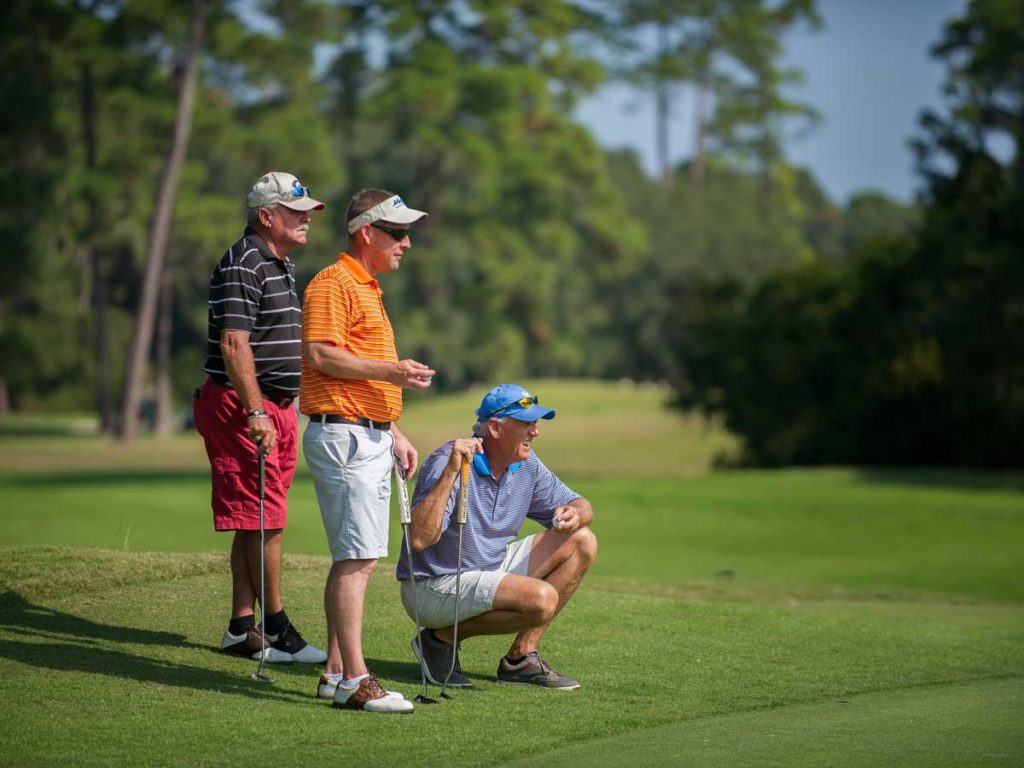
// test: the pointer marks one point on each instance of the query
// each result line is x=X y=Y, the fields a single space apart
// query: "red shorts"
x=220 y=419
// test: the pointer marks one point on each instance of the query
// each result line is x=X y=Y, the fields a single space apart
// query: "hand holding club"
x=262 y=432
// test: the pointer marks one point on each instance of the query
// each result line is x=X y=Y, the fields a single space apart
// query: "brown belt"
x=332 y=418
x=281 y=401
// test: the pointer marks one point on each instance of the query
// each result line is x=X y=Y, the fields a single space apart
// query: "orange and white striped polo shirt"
x=343 y=305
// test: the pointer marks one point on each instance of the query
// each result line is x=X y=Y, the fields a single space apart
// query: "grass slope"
x=809 y=529
x=801 y=617
x=114 y=664
x=972 y=724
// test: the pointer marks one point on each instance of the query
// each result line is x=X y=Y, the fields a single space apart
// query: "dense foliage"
x=540 y=257
x=869 y=332
x=912 y=352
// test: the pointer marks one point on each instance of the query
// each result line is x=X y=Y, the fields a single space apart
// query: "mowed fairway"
x=802 y=617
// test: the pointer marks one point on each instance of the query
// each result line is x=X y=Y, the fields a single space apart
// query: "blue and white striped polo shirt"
x=497 y=509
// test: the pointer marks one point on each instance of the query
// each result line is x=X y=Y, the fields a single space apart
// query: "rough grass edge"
x=46 y=572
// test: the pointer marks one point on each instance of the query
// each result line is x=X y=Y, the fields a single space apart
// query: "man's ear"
x=265 y=216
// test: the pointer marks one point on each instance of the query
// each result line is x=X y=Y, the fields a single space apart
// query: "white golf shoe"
x=326 y=687
x=370 y=697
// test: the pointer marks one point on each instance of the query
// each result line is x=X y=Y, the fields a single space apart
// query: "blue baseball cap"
x=514 y=401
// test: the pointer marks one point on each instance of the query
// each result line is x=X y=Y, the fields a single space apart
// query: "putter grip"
x=463 y=510
x=261 y=473
x=404 y=513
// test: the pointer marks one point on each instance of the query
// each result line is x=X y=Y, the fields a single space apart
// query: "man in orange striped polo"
x=351 y=389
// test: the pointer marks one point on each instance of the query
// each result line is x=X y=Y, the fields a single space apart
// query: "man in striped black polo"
x=506 y=585
x=352 y=382
x=254 y=363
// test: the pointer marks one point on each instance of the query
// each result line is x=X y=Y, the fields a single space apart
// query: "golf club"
x=405 y=518
x=261 y=463
x=461 y=513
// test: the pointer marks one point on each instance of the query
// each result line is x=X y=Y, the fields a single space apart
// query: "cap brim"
x=533 y=413
x=303 y=204
x=404 y=216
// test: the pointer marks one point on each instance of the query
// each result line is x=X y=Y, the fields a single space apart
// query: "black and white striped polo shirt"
x=251 y=290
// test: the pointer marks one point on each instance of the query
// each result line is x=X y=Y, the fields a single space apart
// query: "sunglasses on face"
x=524 y=402
x=395 y=232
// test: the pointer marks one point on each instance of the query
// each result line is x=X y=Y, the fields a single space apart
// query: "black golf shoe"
x=289 y=641
x=248 y=645
x=437 y=660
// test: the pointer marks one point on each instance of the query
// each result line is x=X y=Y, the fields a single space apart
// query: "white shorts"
x=351 y=468
x=435 y=598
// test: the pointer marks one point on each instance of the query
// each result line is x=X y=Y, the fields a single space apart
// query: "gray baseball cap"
x=280 y=188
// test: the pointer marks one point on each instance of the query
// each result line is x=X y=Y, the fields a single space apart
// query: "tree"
x=160 y=232
x=911 y=352
x=727 y=51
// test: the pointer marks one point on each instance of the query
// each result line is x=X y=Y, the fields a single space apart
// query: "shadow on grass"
x=408 y=672
x=944 y=477
x=50 y=639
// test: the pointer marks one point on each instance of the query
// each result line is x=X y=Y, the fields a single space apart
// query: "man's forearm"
x=342 y=364
x=583 y=509
x=428 y=515
x=241 y=369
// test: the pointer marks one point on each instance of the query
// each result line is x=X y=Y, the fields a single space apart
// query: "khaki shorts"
x=435 y=598
x=351 y=468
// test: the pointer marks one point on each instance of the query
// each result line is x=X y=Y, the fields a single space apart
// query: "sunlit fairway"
x=802 y=617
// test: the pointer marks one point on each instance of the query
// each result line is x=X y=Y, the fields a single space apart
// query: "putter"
x=261 y=463
x=461 y=513
x=405 y=518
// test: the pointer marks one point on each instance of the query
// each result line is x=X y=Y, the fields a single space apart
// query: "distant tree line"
x=543 y=254
x=912 y=350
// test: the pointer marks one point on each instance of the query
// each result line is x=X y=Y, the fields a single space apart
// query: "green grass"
x=826 y=617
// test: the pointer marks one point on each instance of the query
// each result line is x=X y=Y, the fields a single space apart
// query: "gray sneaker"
x=533 y=670
x=437 y=659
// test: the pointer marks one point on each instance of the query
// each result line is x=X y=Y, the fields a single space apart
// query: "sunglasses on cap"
x=524 y=402
x=397 y=233
x=300 y=191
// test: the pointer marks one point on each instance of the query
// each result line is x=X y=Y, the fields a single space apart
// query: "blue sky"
x=867 y=71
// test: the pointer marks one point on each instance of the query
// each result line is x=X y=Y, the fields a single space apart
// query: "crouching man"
x=506 y=585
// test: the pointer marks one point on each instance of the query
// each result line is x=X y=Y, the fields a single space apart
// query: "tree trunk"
x=97 y=275
x=160 y=232
x=164 y=424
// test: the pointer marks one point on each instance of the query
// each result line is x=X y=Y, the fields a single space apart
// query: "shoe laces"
x=373 y=687
x=540 y=662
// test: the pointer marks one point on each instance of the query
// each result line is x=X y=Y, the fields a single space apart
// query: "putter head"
x=261 y=677
x=421 y=699
x=443 y=695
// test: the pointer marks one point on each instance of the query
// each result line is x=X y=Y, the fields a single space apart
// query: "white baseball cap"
x=393 y=211
x=280 y=188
